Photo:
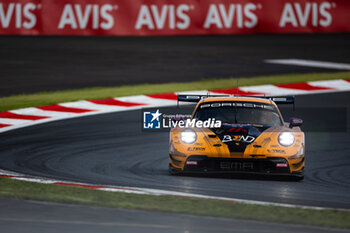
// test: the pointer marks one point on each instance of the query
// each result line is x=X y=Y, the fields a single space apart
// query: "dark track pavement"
x=32 y=64
x=111 y=149
x=41 y=217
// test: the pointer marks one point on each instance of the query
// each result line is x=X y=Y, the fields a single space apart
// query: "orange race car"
x=230 y=134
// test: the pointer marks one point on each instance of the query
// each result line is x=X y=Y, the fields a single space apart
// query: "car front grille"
x=264 y=165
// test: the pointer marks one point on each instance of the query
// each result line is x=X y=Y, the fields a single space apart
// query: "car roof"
x=237 y=98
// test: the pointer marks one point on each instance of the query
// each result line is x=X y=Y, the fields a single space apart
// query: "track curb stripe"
x=115 y=102
x=304 y=87
x=168 y=96
x=4 y=125
x=236 y=91
x=20 y=118
x=12 y=115
x=59 y=108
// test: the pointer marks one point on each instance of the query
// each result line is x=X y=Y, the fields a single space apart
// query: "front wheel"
x=298 y=178
x=299 y=175
x=173 y=171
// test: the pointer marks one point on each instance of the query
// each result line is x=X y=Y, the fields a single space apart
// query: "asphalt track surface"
x=31 y=64
x=42 y=217
x=111 y=149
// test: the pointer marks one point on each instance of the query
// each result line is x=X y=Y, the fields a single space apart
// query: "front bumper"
x=270 y=165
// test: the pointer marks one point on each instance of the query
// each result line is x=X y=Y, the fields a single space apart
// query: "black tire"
x=173 y=171
x=298 y=178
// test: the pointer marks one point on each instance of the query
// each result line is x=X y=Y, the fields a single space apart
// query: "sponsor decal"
x=195 y=149
x=281 y=164
x=310 y=14
x=191 y=162
x=234 y=104
x=280 y=151
x=236 y=165
x=158 y=17
x=233 y=15
x=19 y=15
x=238 y=138
x=167 y=16
x=101 y=16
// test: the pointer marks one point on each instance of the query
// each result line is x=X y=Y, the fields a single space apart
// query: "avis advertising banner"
x=172 y=17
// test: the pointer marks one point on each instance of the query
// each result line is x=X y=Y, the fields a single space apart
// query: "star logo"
x=151 y=120
x=156 y=115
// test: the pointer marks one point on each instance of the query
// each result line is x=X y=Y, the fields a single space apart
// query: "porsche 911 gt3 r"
x=252 y=138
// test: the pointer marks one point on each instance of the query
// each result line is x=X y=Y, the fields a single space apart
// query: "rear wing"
x=283 y=100
x=197 y=98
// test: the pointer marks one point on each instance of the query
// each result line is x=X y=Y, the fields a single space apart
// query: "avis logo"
x=151 y=120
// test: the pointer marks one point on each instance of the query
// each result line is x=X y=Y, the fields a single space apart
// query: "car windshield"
x=239 y=113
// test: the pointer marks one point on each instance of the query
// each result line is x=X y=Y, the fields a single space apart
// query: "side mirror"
x=293 y=122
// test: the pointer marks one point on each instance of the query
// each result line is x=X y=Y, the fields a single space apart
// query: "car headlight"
x=188 y=136
x=286 y=138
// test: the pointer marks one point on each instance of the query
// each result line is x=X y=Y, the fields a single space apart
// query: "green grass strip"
x=64 y=194
x=47 y=98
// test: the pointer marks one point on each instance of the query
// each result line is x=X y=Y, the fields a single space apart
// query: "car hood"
x=238 y=137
